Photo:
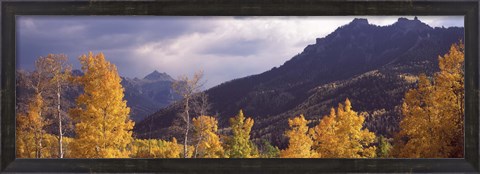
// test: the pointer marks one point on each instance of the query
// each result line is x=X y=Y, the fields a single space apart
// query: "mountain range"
x=144 y=96
x=371 y=65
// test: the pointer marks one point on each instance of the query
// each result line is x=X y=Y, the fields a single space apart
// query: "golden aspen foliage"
x=153 y=148
x=30 y=125
x=103 y=128
x=50 y=148
x=25 y=139
x=191 y=150
x=300 y=142
x=67 y=146
x=417 y=111
x=30 y=130
x=341 y=135
x=27 y=147
x=324 y=135
x=208 y=142
x=433 y=112
x=450 y=83
x=239 y=144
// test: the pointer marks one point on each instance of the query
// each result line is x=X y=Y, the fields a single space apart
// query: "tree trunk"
x=196 y=146
x=39 y=135
x=196 y=150
x=187 y=115
x=37 y=130
x=37 y=142
x=60 y=133
x=40 y=145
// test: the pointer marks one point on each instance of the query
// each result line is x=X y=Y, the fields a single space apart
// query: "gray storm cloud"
x=223 y=47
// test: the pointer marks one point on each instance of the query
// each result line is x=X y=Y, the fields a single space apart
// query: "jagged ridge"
x=405 y=48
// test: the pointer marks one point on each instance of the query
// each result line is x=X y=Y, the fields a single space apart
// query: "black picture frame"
x=467 y=8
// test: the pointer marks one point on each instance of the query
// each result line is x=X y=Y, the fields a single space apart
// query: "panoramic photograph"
x=240 y=87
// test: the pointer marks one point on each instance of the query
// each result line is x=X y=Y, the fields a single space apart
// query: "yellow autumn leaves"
x=341 y=135
x=155 y=149
x=338 y=135
x=103 y=128
x=208 y=142
x=30 y=130
x=432 y=126
x=300 y=143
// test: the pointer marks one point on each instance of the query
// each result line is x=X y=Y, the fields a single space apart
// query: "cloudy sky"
x=224 y=48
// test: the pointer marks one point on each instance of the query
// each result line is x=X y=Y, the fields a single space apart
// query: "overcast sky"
x=224 y=48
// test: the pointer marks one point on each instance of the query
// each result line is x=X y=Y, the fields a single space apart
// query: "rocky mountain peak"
x=157 y=76
x=359 y=21
x=414 y=24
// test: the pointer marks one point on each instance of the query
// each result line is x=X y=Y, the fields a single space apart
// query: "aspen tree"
x=239 y=144
x=300 y=142
x=208 y=145
x=103 y=127
x=341 y=135
x=433 y=112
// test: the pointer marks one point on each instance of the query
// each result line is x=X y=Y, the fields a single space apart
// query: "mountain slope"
x=371 y=65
